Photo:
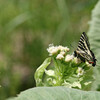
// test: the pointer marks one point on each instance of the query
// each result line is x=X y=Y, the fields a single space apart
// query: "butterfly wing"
x=83 y=48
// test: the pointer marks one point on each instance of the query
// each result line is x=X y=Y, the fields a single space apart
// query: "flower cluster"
x=52 y=50
x=62 y=53
x=67 y=70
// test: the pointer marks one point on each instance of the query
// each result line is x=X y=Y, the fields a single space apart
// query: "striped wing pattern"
x=84 y=47
x=83 y=50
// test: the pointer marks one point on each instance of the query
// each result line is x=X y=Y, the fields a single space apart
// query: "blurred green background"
x=27 y=27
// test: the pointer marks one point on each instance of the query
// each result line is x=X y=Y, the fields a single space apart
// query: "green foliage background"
x=26 y=29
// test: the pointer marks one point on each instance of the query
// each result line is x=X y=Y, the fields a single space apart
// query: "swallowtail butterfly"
x=83 y=50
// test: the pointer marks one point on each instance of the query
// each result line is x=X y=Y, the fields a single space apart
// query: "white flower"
x=66 y=49
x=63 y=53
x=77 y=60
x=69 y=58
x=80 y=71
x=60 y=47
x=52 y=49
x=60 y=56
x=49 y=72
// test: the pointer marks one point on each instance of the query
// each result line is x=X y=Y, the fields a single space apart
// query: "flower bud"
x=52 y=49
x=68 y=58
x=59 y=56
x=77 y=60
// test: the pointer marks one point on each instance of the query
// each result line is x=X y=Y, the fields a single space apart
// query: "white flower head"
x=59 y=56
x=68 y=58
x=80 y=71
x=77 y=60
x=63 y=53
x=66 y=49
x=61 y=48
x=52 y=49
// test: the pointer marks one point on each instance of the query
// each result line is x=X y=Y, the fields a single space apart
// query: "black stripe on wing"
x=83 y=43
x=85 y=38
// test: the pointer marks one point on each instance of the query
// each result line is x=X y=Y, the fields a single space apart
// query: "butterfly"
x=83 y=50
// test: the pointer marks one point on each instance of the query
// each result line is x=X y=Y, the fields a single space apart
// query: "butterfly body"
x=83 y=50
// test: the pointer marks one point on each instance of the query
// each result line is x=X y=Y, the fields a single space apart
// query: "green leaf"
x=94 y=38
x=40 y=71
x=57 y=93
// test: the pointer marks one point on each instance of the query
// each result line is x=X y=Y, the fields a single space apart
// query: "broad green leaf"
x=57 y=93
x=40 y=71
x=94 y=38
